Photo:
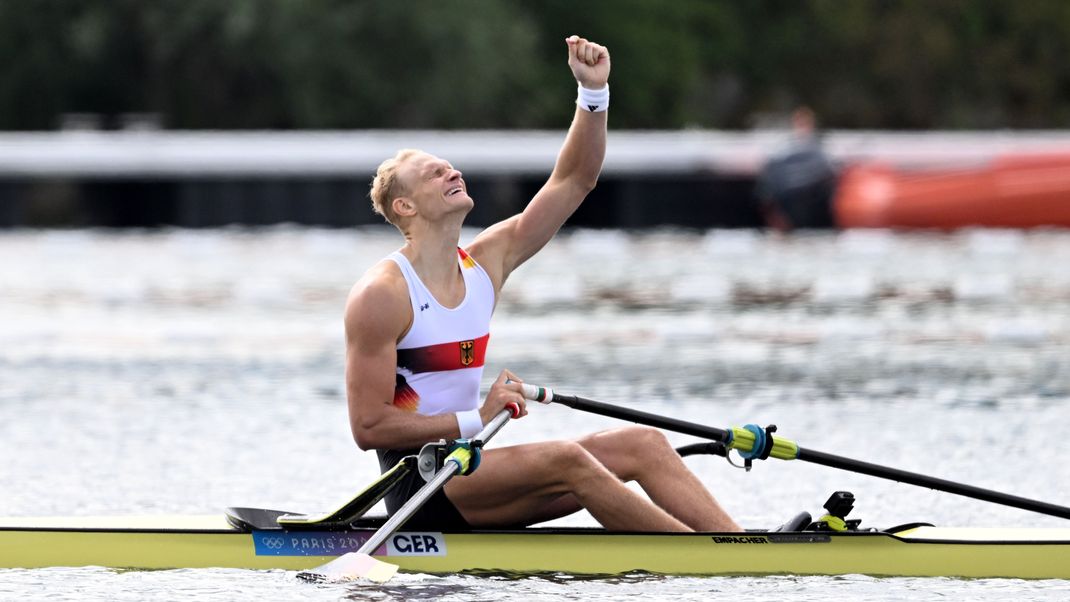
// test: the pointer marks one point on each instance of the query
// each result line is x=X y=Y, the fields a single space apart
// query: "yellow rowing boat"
x=216 y=541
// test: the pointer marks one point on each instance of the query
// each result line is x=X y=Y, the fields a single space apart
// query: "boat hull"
x=208 y=542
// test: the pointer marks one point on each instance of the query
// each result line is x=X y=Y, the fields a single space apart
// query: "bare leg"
x=523 y=484
x=644 y=455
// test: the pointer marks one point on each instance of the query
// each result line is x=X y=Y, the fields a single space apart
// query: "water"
x=187 y=371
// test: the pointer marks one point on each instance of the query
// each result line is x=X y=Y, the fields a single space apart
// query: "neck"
x=432 y=251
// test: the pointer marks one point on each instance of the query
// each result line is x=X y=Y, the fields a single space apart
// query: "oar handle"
x=537 y=393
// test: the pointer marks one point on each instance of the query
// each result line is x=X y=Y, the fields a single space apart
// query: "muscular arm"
x=377 y=315
x=507 y=244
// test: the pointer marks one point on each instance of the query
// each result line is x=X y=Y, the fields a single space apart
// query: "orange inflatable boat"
x=1020 y=191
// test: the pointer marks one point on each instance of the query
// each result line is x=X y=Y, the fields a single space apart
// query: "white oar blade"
x=352 y=566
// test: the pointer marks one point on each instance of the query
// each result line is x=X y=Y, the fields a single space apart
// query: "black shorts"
x=437 y=514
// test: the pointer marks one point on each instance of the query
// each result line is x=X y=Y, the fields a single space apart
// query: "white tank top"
x=440 y=359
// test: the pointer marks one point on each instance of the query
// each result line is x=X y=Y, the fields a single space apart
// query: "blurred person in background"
x=796 y=186
x=417 y=325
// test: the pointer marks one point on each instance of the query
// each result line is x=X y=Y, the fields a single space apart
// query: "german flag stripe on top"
x=455 y=355
x=466 y=260
x=405 y=397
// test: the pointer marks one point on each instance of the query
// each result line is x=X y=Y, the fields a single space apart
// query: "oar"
x=361 y=564
x=753 y=442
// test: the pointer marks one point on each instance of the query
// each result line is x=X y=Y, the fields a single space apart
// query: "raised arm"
x=506 y=245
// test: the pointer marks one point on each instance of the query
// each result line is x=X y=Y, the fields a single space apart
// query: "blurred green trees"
x=501 y=64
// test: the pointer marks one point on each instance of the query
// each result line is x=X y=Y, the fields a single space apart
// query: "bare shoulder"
x=378 y=304
x=491 y=249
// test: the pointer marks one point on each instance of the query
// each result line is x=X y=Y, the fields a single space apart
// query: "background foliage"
x=285 y=64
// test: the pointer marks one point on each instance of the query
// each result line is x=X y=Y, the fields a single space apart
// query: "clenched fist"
x=589 y=62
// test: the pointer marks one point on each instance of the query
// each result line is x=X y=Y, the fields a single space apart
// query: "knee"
x=639 y=442
x=645 y=438
x=631 y=451
x=571 y=460
x=567 y=453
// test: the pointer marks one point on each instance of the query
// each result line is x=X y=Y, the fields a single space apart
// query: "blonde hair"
x=386 y=185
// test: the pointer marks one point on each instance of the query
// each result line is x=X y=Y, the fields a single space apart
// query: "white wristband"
x=594 y=101
x=469 y=422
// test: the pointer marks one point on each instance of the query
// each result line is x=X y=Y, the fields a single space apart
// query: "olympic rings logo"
x=274 y=543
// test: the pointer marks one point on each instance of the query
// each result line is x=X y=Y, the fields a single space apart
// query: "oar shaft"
x=938 y=484
x=429 y=489
x=495 y=425
x=406 y=511
x=640 y=417
x=546 y=395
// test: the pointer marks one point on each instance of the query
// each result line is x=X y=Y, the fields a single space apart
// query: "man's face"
x=434 y=186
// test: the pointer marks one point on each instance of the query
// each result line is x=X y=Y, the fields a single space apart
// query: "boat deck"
x=218 y=523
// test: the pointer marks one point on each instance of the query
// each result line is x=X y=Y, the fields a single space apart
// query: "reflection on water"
x=220 y=585
x=186 y=371
x=420 y=587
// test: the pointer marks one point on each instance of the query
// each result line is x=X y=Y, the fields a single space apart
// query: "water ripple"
x=186 y=371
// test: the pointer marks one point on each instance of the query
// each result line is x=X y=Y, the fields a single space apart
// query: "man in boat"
x=417 y=325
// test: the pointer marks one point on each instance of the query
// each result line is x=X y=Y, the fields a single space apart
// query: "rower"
x=417 y=331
